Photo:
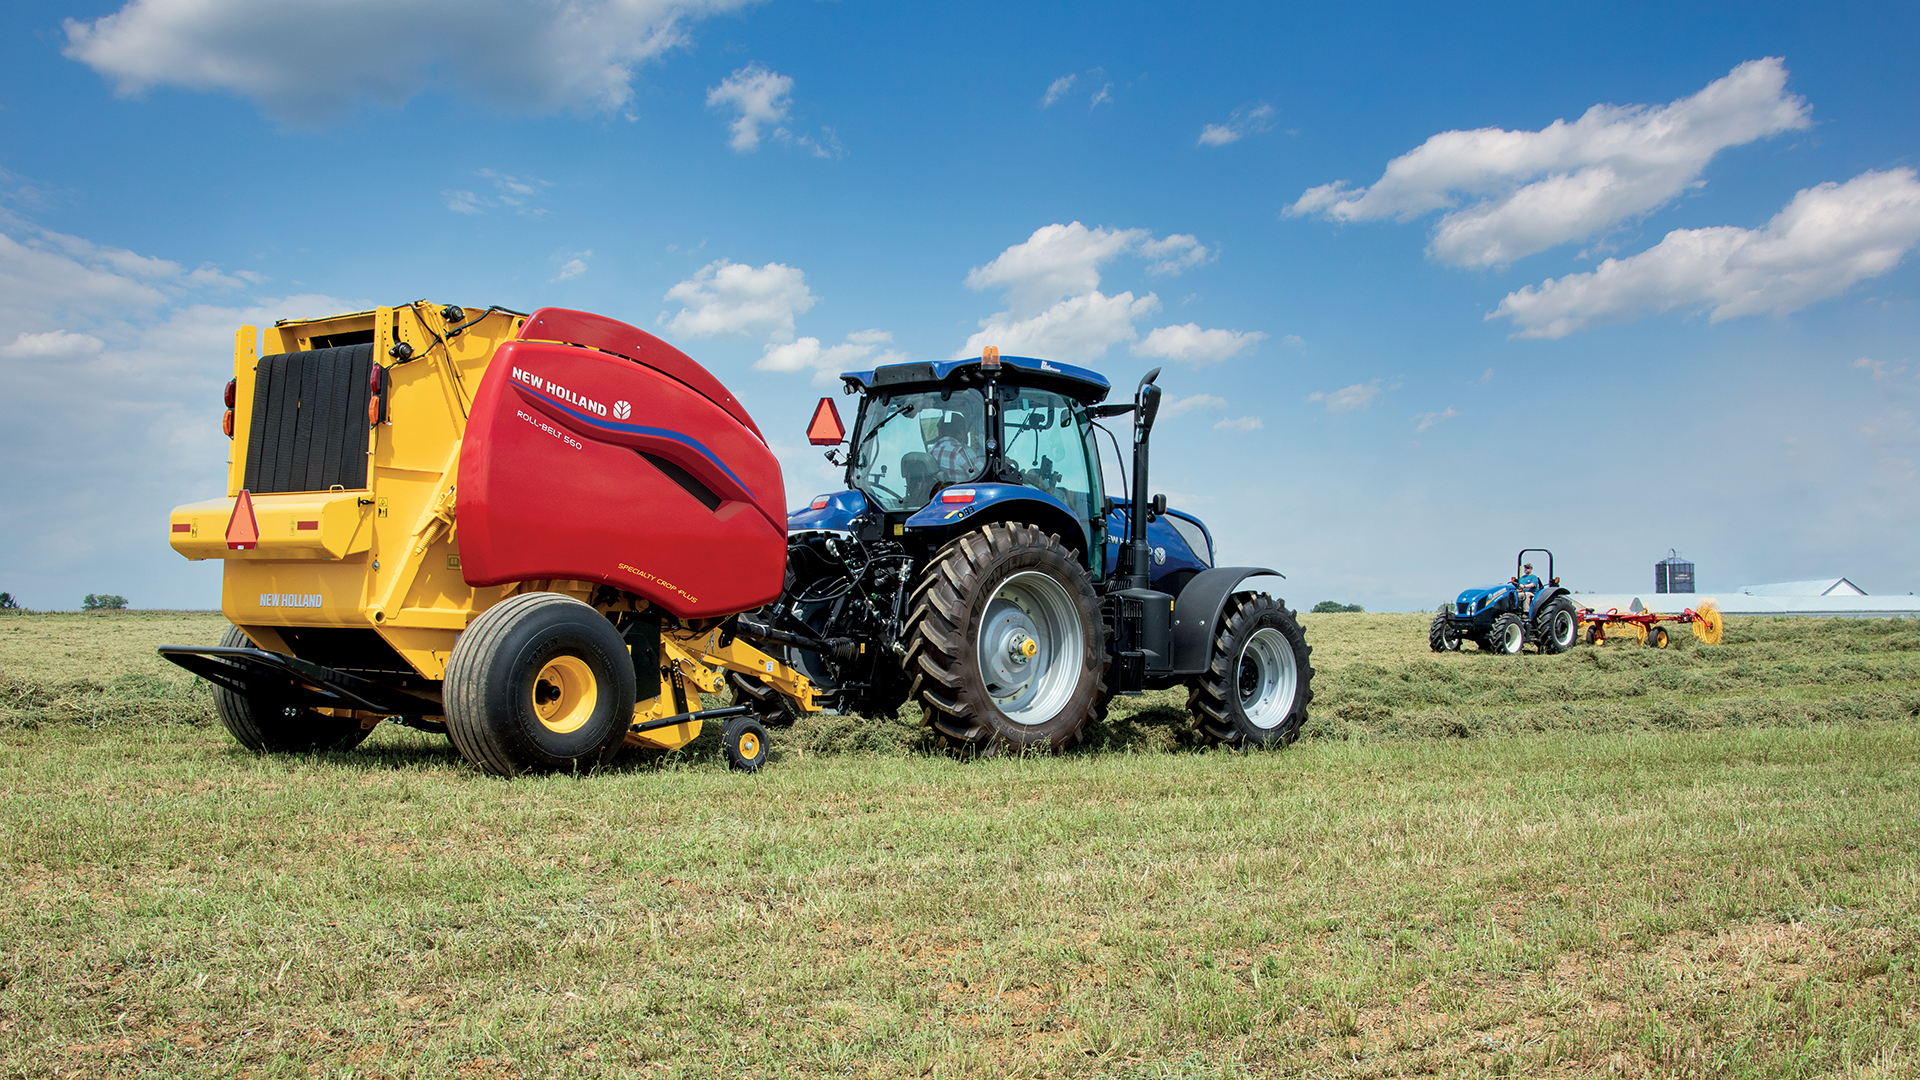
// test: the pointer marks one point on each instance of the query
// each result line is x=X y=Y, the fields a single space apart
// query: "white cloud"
x=760 y=96
x=1078 y=329
x=1527 y=191
x=526 y=56
x=1348 y=398
x=1240 y=423
x=1827 y=239
x=574 y=266
x=1052 y=285
x=826 y=363
x=1056 y=89
x=1294 y=341
x=1189 y=344
x=52 y=345
x=1104 y=95
x=763 y=100
x=1423 y=421
x=729 y=299
x=1057 y=261
x=1174 y=254
x=516 y=193
x=1175 y=405
x=1876 y=368
x=1244 y=121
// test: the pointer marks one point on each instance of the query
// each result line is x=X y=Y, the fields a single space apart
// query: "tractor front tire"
x=1259 y=680
x=1004 y=642
x=1441 y=636
x=266 y=726
x=540 y=682
x=1559 y=626
x=1508 y=636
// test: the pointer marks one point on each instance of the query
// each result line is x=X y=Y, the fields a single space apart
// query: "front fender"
x=1197 y=611
x=1001 y=502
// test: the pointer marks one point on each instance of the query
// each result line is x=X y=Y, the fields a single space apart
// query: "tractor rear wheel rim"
x=564 y=694
x=1030 y=647
x=1268 y=678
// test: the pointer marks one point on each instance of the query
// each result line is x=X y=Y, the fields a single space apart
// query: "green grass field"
x=1697 y=862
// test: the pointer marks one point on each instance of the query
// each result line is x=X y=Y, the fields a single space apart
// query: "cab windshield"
x=911 y=445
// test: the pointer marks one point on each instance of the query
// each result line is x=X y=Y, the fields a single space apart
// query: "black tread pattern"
x=308 y=430
x=1548 y=643
x=1213 y=697
x=1438 y=636
x=480 y=736
x=941 y=662
x=266 y=727
x=1496 y=638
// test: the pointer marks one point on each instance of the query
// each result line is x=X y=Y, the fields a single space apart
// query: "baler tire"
x=1257 y=641
x=959 y=589
x=494 y=687
x=1559 y=626
x=265 y=726
x=1441 y=636
x=1508 y=636
x=745 y=743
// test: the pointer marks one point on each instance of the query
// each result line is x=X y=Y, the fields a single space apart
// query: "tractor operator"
x=1528 y=582
x=957 y=460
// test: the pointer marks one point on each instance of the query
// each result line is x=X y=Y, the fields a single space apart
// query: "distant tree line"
x=103 y=602
x=1334 y=607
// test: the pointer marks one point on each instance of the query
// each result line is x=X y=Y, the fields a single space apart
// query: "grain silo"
x=1673 y=574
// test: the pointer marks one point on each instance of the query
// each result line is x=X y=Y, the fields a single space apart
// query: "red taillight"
x=818 y=504
x=226 y=424
x=233 y=386
x=376 y=395
x=957 y=495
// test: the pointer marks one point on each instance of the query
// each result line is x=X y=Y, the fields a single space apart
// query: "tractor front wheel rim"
x=1030 y=647
x=564 y=694
x=1268 y=678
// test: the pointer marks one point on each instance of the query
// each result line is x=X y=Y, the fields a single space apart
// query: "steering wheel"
x=875 y=484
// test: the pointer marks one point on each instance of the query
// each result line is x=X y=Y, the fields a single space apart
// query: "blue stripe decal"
x=637 y=429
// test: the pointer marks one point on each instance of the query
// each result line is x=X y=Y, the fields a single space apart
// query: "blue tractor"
x=975 y=565
x=1506 y=618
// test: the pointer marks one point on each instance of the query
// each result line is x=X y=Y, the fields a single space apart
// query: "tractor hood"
x=1472 y=600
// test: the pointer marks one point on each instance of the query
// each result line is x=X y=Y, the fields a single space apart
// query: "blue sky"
x=1370 y=247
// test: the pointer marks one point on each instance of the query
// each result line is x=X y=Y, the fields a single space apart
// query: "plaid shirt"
x=956 y=459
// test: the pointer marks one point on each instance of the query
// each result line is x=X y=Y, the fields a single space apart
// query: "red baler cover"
x=597 y=452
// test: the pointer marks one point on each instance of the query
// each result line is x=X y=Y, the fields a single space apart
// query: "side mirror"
x=1159 y=505
x=825 y=429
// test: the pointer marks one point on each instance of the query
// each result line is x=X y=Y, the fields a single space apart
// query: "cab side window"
x=1043 y=438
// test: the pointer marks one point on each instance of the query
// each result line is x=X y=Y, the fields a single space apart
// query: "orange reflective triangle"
x=826 y=429
x=242 y=530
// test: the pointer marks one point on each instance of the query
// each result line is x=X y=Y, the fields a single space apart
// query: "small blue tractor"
x=1507 y=617
x=975 y=566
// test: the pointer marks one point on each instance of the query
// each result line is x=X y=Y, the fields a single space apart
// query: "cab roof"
x=1075 y=382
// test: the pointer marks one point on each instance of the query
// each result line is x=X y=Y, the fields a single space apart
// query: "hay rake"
x=1706 y=622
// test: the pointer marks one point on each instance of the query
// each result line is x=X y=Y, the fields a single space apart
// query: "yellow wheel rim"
x=564 y=694
x=749 y=746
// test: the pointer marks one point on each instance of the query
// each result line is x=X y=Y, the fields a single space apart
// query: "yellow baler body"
x=386 y=556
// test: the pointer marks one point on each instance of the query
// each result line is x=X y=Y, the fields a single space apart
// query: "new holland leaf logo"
x=622 y=410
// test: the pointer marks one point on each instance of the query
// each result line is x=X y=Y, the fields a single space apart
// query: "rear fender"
x=1541 y=599
x=1197 y=612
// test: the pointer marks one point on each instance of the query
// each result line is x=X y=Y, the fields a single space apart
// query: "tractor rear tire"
x=1559 y=626
x=266 y=726
x=540 y=682
x=1259 y=679
x=1508 y=636
x=1004 y=643
x=1441 y=636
